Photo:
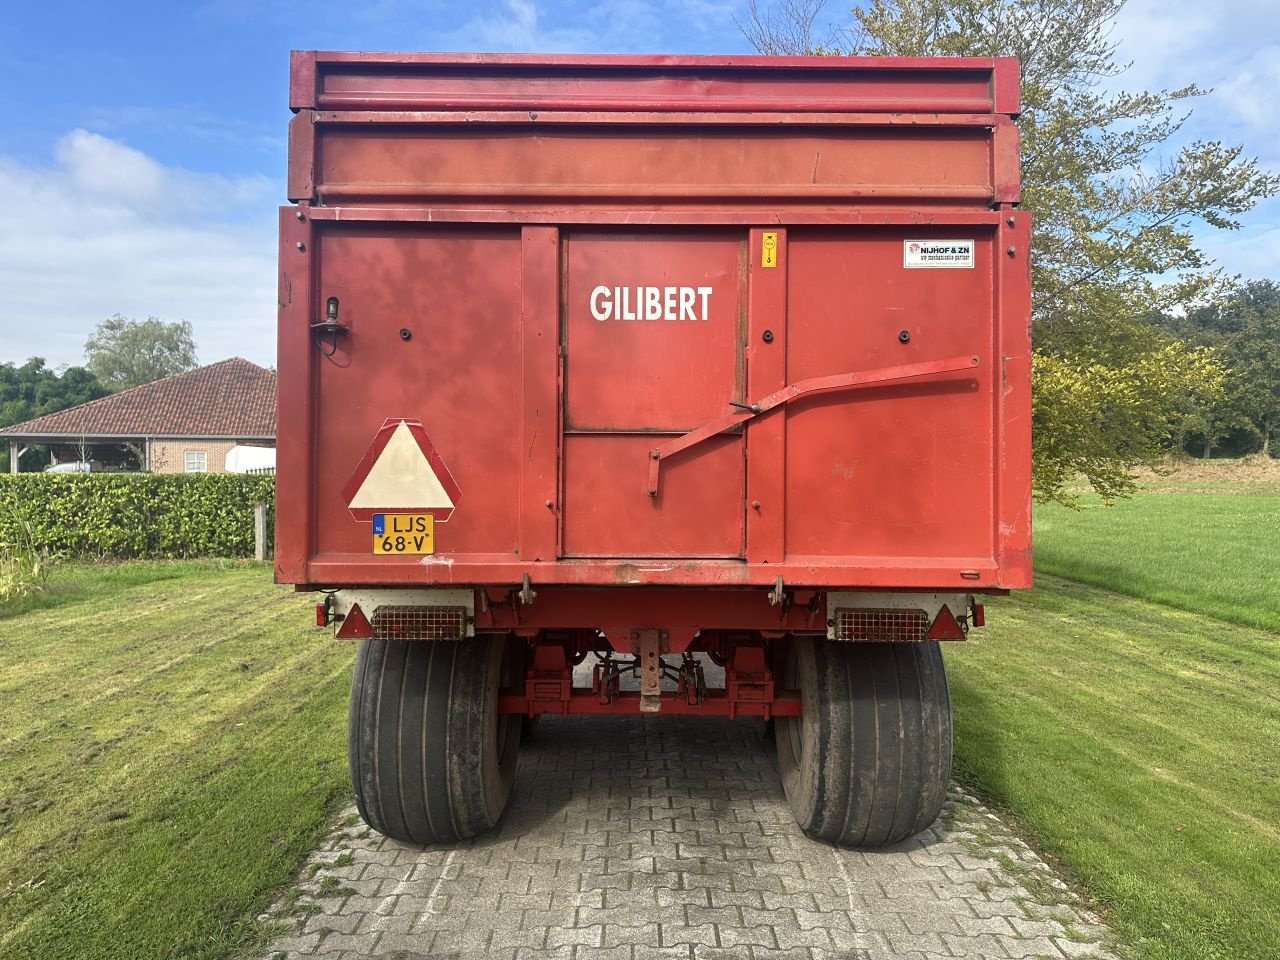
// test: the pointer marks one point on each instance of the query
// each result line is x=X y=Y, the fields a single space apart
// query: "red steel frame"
x=749 y=691
x=332 y=91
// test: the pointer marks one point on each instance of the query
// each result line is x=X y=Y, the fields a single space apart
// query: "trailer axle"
x=714 y=703
x=749 y=687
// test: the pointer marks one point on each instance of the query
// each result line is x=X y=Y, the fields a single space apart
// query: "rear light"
x=881 y=625
x=322 y=614
x=419 y=623
x=979 y=615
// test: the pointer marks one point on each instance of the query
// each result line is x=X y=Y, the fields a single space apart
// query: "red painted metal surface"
x=749 y=688
x=481 y=204
x=811 y=387
x=785 y=84
x=685 y=612
x=930 y=165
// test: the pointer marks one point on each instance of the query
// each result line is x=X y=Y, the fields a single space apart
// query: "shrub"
x=23 y=567
x=129 y=516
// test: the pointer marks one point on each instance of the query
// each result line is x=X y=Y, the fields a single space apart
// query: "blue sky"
x=142 y=146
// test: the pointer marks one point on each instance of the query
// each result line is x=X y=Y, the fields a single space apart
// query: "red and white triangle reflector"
x=401 y=472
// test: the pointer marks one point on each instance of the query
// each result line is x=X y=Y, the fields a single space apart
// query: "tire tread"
x=417 y=739
x=877 y=764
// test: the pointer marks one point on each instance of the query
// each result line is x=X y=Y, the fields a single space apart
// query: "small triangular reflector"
x=945 y=626
x=355 y=625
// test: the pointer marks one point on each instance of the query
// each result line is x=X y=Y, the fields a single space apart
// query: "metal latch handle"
x=801 y=388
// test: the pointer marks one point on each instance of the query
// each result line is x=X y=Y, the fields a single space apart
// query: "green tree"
x=1244 y=330
x=32 y=390
x=123 y=352
x=1113 y=243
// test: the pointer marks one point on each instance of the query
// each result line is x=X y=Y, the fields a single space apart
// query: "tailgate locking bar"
x=801 y=388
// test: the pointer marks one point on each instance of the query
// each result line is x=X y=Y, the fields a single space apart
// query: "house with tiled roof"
x=188 y=422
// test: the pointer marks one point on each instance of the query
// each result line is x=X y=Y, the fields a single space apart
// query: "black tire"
x=431 y=758
x=869 y=761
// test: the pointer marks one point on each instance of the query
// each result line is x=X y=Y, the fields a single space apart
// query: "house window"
x=195 y=461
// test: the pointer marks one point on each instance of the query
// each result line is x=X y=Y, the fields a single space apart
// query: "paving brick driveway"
x=651 y=837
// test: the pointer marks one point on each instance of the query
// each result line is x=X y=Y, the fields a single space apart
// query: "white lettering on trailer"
x=650 y=303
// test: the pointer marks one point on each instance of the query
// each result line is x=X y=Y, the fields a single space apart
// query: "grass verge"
x=1141 y=746
x=171 y=746
x=1212 y=553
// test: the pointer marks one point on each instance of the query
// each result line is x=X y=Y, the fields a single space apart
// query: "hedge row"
x=135 y=516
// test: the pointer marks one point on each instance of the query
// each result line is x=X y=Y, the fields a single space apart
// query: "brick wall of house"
x=167 y=456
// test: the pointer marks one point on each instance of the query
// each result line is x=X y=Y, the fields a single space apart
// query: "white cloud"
x=1250 y=92
x=106 y=229
x=191 y=124
x=1229 y=49
x=1220 y=47
x=1254 y=250
x=100 y=167
x=1158 y=38
x=514 y=26
x=1175 y=42
x=614 y=26
x=519 y=26
x=618 y=26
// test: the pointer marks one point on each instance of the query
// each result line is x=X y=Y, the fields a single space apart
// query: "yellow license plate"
x=404 y=533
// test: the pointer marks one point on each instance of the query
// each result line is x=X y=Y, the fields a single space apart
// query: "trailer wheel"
x=868 y=762
x=431 y=758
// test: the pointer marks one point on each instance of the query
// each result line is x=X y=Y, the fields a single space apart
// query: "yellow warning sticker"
x=769 y=249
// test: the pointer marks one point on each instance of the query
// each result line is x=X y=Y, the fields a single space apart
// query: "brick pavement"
x=641 y=838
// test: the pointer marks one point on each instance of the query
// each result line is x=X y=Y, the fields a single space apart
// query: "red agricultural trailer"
x=653 y=360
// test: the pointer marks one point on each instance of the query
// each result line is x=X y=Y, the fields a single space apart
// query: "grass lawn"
x=1139 y=741
x=172 y=736
x=1210 y=552
x=171 y=747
